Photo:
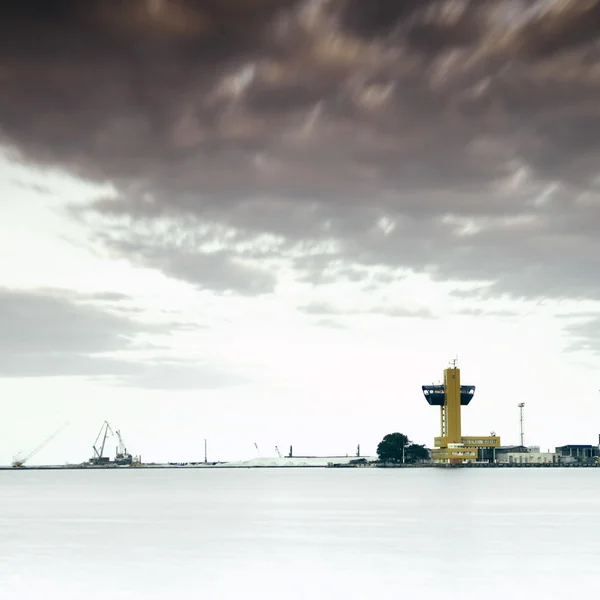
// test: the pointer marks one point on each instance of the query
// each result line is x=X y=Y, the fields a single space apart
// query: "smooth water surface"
x=427 y=534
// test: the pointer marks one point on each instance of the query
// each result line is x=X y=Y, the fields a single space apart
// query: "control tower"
x=451 y=446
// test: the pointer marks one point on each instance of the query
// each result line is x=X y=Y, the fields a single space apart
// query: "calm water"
x=300 y=533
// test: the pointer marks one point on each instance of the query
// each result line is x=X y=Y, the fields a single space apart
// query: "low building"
x=577 y=452
x=538 y=458
x=492 y=455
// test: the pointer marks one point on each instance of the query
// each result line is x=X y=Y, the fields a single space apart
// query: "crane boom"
x=123 y=457
x=121 y=449
x=19 y=462
x=102 y=434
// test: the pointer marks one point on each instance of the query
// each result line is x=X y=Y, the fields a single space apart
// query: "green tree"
x=415 y=453
x=392 y=448
x=397 y=448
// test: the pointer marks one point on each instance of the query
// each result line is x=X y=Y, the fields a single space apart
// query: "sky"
x=271 y=221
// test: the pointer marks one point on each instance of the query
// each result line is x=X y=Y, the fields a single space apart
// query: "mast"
x=521 y=410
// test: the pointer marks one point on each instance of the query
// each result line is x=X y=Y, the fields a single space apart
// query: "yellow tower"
x=451 y=446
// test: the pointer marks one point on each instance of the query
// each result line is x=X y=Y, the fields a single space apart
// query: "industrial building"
x=578 y=453
x=450 y=445
x=563 y=455
x=522 y=455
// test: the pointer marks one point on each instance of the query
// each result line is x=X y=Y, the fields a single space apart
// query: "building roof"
x=576 y=446
x=512 y=449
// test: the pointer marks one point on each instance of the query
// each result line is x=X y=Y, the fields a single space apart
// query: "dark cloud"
x=39 y=323
x=218 y=270
x=376 y=19
x=46 y=333
x=314 y=121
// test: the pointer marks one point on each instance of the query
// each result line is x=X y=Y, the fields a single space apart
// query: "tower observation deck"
x=450 y=396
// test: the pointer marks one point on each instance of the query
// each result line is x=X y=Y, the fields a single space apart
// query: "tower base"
x=469 y=450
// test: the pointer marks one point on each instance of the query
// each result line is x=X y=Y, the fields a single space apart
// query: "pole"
x=521 y=407
x=205 y=453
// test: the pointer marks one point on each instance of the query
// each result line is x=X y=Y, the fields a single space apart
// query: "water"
x=300 y=533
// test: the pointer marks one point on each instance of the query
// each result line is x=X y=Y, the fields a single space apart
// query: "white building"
x=528 y=457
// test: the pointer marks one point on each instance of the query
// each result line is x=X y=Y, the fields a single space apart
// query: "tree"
x=397 y=448
x=416 y=453
x=392 y=448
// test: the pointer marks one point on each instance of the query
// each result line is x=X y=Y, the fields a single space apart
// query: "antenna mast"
x=521 y=410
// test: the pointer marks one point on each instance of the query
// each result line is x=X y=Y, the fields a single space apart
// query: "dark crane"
x=98 y=458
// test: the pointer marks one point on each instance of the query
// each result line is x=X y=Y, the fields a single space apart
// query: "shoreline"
x=84 y=467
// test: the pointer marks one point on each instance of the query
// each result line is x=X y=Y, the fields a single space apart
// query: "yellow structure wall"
x=454 y=454
x=450 y=445
x=492 y=441
x=452 y=405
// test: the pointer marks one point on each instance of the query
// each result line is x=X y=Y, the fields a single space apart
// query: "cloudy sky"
x=272 y=221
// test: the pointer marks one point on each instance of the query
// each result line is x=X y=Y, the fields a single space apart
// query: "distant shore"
x=299 y=465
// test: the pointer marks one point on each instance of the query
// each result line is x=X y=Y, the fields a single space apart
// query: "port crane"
x=19 y=460
x=99 y=458
x=122 y=456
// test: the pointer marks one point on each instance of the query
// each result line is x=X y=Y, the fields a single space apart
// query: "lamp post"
x=521 y=407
